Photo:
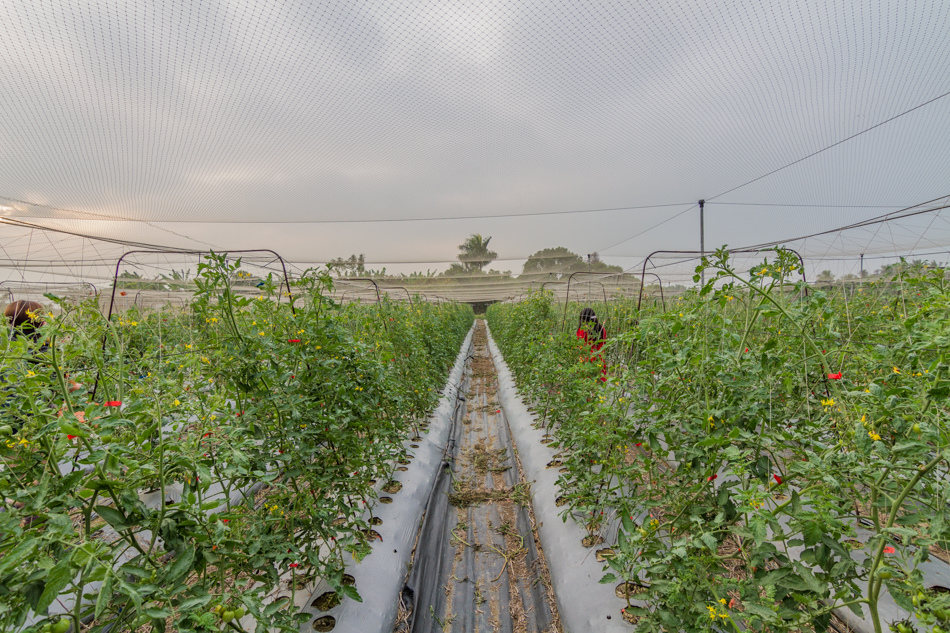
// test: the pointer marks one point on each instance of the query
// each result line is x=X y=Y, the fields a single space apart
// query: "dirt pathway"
x=493 y=577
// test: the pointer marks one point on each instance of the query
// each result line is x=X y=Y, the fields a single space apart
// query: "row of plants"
x=230 y=445
x=772 y=451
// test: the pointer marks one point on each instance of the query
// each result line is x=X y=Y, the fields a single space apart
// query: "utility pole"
x=588 y=278
x=861 y=273
x=702 y=239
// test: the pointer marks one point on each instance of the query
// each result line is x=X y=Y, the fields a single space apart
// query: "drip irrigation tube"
x=380 y=576
x=583 y=603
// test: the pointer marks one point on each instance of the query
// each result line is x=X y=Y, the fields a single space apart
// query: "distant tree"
x=826 y=275
x=597 y=266
x=474 y=254
x=555 y=261
x=559 y=261
x=455 y=270
x=355 y=266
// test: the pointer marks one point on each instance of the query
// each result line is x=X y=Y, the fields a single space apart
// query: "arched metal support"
x=372 y=281
x=701 y=254
x=10 y=286
x=118 y=265
x=403 y=289
x=567 y=297
x=660 y=284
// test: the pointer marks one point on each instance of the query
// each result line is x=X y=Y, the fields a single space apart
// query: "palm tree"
x=474 y=253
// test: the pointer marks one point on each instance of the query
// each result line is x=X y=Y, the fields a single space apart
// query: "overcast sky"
x=251 y=124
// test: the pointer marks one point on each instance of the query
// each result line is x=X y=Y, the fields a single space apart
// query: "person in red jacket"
x=592 y=332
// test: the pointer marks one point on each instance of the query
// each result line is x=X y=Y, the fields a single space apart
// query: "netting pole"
x=702 y=240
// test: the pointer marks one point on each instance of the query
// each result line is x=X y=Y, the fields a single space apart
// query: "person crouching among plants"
x=593 y=332
x=25 y=321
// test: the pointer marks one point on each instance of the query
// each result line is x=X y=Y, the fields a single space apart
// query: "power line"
x=794 y=162
x=811 y=206
x=271 y=220
x=887 y=217
x=672 y=217
x=827 y=147
x=88 y=215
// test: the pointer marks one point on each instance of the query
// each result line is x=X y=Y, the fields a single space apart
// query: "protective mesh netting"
x=398 y=128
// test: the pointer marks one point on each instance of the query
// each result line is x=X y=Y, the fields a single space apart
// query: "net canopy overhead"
x=398 y=128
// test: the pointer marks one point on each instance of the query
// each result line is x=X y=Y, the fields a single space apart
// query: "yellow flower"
x=177 y=403
x=896 y=370
x=828 y=403
x=874 y=436
x=187 y=345
x=723 y=600
x=30 y=374
x=260 y=334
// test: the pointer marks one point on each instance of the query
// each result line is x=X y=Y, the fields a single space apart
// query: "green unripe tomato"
x=941 y=614
x=240 y=613
x=106 y=439
x=227 y=616
x=6 y=429
x=915 y=428
x=217 y=609
x=884 y=574
x=46 y=628
x=903 y=628
x=60 y=627
x=937 y=629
